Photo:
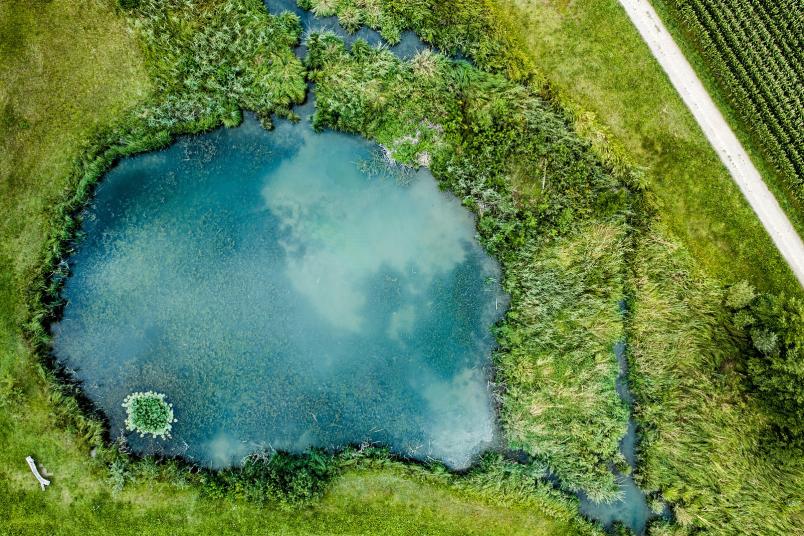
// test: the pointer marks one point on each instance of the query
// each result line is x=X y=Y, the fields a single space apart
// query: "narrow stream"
x=632 y=509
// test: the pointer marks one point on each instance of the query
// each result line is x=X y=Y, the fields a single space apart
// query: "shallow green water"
x=282 y=297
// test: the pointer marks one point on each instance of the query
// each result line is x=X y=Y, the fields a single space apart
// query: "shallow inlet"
x=632 y=508
x=283 y=297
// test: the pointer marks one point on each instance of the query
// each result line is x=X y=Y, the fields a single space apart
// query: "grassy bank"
x=550 y=212
x=594 y=57
x=376 y=502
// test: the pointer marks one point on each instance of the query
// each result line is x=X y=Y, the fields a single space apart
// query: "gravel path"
x=718 y=132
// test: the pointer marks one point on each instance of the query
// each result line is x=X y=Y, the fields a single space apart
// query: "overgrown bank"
x=709 y=440
x=170 y=112
x=478 y=132
x=608 y=72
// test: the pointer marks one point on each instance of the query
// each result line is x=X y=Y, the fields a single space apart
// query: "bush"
x=288 y=479
x=776 y=360
x=149 y=413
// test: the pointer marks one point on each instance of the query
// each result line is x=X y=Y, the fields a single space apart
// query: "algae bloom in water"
x=149 y=413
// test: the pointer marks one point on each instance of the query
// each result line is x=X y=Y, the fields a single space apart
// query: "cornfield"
x=755 y=49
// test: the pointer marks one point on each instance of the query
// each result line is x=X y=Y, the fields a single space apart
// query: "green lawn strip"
x=360 y=502
x=596 y=60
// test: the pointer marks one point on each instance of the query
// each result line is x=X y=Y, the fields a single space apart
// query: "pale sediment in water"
x=283 y=299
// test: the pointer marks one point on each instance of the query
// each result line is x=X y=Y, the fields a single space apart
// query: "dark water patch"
x=632 y=507
x=283 y=299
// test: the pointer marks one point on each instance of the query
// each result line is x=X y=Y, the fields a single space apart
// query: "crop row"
x=755 y=49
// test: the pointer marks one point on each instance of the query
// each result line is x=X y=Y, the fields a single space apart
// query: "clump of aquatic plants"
x=149 y=413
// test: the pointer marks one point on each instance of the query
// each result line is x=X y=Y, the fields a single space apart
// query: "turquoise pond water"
x=284 y=294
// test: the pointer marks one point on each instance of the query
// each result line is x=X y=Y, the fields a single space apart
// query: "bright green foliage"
x=556 y=355
x=705 y=442
x=475 y=28
x=739 y=295
x=530 y=180
x=756 y=51
x=214 y=58
x=278 y=477
x=149 y=413
x=598 y=67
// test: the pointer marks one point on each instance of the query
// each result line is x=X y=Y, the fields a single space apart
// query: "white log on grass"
x=42 y=480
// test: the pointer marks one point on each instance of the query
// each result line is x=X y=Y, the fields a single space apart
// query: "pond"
x=285 y=290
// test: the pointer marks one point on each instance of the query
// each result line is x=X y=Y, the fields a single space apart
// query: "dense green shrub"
x=285 y=478
x=773 y=330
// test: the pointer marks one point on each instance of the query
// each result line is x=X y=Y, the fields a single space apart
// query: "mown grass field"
x=68 y=68
x=595 y=58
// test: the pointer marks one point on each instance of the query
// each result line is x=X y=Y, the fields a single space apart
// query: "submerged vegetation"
x=566 y=216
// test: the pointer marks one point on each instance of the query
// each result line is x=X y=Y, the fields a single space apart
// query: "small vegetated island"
x=149 y=413
x=407 y=261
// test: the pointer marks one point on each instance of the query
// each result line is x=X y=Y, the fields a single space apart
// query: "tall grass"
x=476 y=29
x=556 y=361
x=216 y=58
x=706 y=443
